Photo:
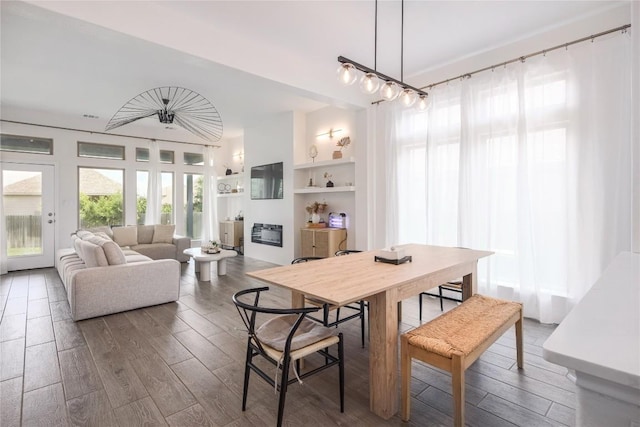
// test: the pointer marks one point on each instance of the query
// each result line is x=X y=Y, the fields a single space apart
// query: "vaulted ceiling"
x=62 y=60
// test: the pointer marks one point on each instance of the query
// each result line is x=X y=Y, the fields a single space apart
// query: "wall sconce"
x=239 y=156
x=330 y=133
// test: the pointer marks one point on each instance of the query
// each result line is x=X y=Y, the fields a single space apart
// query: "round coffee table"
x=203 y=261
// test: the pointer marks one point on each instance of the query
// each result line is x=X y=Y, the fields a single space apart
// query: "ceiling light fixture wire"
x=348 y=67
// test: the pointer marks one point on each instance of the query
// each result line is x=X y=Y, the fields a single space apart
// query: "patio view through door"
x=28 y=216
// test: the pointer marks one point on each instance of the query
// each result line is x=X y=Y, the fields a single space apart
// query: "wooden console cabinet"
x=323 y=242
x=232 y=233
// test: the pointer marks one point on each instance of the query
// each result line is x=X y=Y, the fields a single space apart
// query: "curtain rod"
x=109 y=134
x=622 y=28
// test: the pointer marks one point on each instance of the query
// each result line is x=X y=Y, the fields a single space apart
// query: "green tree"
x=141 y=209
x=101 y=210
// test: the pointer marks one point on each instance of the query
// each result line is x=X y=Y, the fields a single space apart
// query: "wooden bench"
x=454 y=340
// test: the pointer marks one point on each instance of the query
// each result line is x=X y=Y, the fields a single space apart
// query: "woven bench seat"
x=454 y=340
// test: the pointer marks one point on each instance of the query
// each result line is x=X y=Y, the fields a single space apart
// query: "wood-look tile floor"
x=181 y=364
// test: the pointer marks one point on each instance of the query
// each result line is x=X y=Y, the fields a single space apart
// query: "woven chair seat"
x=463 y=329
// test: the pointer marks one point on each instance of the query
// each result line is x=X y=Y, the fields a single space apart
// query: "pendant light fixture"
x=372 y=80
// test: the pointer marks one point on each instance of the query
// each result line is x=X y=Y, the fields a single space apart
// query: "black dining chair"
x=283 y=339
x=357 y=308
x=453 y=286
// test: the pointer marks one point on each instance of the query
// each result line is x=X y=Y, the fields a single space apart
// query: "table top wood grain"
x=344 y=279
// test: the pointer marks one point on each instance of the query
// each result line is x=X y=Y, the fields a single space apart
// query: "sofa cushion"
x=76 y=245
x=163 y=233
x=157 y=250
x=145 y=234
x=103 y=229
x=92 y=254
x=103 y=235
x=126 y=236
x=83 y=234
x=112 y=251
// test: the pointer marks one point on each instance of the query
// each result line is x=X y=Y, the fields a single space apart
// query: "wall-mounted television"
x=266 y=181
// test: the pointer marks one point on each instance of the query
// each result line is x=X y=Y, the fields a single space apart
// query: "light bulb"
x=347 y=74
x=408 y=97
x=369 y=83
x=389 y=91
x=422 y=103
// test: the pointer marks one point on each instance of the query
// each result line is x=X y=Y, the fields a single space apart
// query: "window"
x=26 y=144
x=100 y=151
x=166 y=156
x=193 y=159
x=101 y=200
x=166 y=211
x=193 y=204
x=142 y=183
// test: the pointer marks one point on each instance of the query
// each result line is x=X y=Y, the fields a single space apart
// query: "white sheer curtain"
x=210 y=228
x=531 y=161
x=154 y=186
x=3 y=234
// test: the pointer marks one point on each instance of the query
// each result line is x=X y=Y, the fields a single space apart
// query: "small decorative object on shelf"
x=228 y=170
x=315 y=209
x=342 y=142
x=313 y=152
x=328 y=176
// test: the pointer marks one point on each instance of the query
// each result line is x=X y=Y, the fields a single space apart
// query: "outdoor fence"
x=24 y=231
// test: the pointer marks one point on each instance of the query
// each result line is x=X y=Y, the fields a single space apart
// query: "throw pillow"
x=92 y=254
x=114 y=254
x=125 y=236
x=163 y=233
x=103 y=235
x=112 y=251
x=104 y=229
x=145 y=234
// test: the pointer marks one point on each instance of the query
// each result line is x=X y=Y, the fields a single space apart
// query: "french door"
x=28 y=217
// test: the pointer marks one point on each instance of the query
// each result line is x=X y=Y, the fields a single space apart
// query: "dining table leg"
x=383 y=354
x=470 y=283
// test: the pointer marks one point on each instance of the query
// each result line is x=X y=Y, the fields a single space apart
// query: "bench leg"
x=519 y=342
x=405 y=378
x=457 y=380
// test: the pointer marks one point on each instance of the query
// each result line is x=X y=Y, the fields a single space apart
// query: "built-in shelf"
x=230 y=194
x=232 y=176
x=325 y=163
x=324 y=189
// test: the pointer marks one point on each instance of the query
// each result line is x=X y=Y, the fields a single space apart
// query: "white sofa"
x=101 y=277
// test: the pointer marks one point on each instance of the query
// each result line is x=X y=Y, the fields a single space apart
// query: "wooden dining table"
x=345 y=279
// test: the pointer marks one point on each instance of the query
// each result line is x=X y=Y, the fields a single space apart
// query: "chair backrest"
x=346 y=252
x=248 y=312
x=305 y=259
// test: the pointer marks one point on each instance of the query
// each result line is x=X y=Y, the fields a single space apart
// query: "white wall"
x=635 y=33
x=271 y=141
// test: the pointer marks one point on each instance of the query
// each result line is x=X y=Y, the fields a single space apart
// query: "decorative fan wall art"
x=172 y=104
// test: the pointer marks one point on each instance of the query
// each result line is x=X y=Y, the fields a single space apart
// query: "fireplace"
x=267 y=234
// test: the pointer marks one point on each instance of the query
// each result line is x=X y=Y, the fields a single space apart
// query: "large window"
x=193 y=204
x=101 y=197
x=166 y=210
x=528 y=161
